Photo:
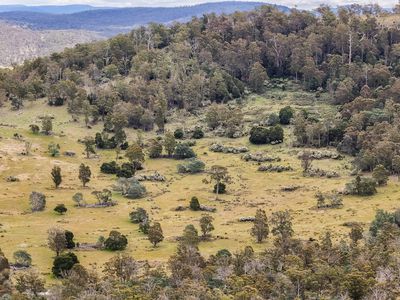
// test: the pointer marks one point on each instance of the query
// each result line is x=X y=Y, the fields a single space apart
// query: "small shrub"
x=285 y=115
x=109 y=168
x=34 y=128
x=194 y=204
x=22 y=259
x=191 y=166
x=63 y=263
x=262 y=135
x=60 y=209
x=54 y=149
x=69 y=236
x=179 y=134
x=183 y=151
x=130 y=188
x=115 y=241
x=138 y=215
x=198 y=133
x=127 y=170
x=361 y=186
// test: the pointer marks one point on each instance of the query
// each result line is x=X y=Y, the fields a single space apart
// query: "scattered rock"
x=325 y=154
x=219 y=148
x=151 y=177
x=322 y=173
x=290 y=188
x=247 y=219
x=69 y=153
x=207 y=208
x=12 y=179
x=259 y=157
x=272 y=168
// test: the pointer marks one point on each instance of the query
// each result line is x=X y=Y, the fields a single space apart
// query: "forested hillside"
x=254 y=155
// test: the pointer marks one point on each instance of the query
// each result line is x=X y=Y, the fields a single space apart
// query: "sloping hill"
x=18 y=43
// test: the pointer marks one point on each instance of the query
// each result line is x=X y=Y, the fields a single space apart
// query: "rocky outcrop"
x=220 y=148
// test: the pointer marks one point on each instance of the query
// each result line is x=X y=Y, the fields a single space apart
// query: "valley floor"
x=250 y=190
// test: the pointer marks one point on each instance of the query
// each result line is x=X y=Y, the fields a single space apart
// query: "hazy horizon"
x=171 y=3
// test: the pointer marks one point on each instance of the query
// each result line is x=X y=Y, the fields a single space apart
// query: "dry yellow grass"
x=250 y=190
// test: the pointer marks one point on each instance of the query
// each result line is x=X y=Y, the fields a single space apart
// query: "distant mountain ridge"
x=50 y=9
x=110 y=21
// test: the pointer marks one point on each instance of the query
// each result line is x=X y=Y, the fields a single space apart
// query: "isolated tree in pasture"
x=155 y=234
x=190 y=236
x=194 y=204
x=37 y=201
x=84 y=174
x=78 y=199
x=306 y=161
x=63 y=263
x=282 y=225
x=28 y=148
x=56 y=240
x=206 y=225
x=138 y=215
x=135 y=155
x=116 y=241
x=56 y=176
x=47 y=125
x=104 y=197
x=155 y=148
x=183 y=151
x=260 y=229
x=219 y=175
x=169 y=143
x=54 y=149
x=89 y=143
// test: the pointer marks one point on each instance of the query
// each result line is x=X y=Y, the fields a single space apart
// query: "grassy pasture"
x=20 y=229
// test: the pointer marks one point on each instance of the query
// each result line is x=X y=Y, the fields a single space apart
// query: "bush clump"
x=361 y=186
x=179 y=134
x=63 y=263
x=191 y=166
x=109 y=167
x=198 y=133
x=194 y=204
x=266 y=135
x=130 y=188
x=285 y=115
x=116 y=241
x=183 y=151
